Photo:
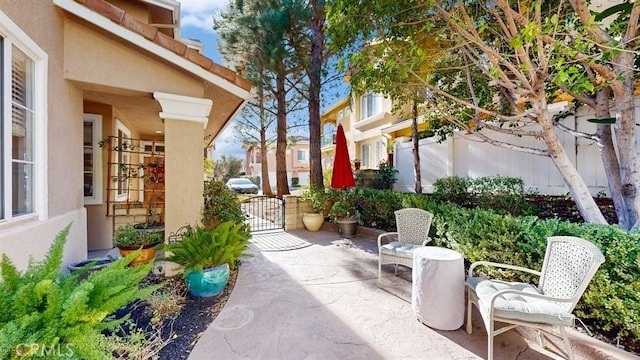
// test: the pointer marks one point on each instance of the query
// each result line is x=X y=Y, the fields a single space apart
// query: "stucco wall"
x=64 y=143
x=92 y=56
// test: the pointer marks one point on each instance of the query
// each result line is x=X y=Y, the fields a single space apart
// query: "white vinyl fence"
x=465 y=155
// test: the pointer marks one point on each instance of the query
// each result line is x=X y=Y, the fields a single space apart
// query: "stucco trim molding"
x=186 y=108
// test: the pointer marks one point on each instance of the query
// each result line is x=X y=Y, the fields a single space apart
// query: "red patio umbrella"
x=342 y=176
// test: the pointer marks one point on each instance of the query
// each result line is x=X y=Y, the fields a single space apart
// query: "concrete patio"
x=323 y=301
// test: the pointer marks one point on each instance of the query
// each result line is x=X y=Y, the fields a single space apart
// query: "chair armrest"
x=498 y=265
x=424 y=243
x=383 y=235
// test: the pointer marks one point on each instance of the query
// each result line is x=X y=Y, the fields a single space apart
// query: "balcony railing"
x=328 y=139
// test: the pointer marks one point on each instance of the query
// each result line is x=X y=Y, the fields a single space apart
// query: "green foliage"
x=50 y=311
x=317 y=198
x=506 y=195
x=386 y=176
x=220 y=205
x=129 y=236
x=203 y=248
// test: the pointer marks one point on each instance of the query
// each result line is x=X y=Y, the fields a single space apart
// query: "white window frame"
x=305 y=157
x=366 y=160
x=381 y=152
x=14 y=36
x=96 y=123
x=375 y=99
x=126 y=159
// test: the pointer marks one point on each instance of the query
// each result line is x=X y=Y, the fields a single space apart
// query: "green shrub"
x=317 y=198
x=452 y=189
x=386 y=176
x=220 y=204
x=506 y=195
x=44 y=310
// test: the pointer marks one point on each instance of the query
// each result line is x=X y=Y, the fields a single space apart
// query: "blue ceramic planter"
x=209 y=282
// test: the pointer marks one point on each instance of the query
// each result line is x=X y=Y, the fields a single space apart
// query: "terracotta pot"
x=356 y=165
x=148 y=252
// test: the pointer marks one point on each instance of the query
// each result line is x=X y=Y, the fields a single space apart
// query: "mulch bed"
x=182 y=332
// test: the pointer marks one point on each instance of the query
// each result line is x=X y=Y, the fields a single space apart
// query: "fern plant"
x=203 y=248
x=43 y=311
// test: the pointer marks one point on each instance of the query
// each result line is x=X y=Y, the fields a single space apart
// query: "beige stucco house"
x=78 y=72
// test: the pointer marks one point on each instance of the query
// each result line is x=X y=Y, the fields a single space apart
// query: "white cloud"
x=199 y=13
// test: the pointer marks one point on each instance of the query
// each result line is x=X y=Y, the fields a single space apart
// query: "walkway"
x=323 y=302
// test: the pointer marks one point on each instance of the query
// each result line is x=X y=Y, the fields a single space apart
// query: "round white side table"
x=437 y=296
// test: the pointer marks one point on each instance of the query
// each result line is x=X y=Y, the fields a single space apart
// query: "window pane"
x=88 y=133
x=21 y=78
x=22 y=188
x=22 y=134
x=88 y=184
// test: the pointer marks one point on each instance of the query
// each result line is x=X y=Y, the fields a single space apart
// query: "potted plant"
x=344 y=213
x=128 y=239
x=317 y=198
x=357 y=163
x=207 y=255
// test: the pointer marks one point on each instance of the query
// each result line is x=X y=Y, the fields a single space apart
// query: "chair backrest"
x=569 y=264
x=413 y=225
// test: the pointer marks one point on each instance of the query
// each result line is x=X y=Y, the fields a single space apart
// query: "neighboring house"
x=297 y=163
x=370 y=129
x=78 y=72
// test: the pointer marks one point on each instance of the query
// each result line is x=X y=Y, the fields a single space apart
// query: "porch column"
x=184 y=121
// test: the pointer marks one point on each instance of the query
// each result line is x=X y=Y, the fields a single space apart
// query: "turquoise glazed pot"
x=209 y=282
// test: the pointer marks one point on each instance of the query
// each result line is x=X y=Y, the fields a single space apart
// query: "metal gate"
x=264 y=213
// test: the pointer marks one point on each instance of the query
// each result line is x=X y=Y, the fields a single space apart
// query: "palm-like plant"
x=204 y=248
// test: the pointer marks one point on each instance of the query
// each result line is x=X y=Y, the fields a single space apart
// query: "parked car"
x=242 y=186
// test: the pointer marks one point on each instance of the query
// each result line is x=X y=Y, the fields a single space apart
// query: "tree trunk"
x=282 y=182
x=264 y=163
x=317 y=48
x=578 y=188
x=609 y=158
x=625 y=132
x=416 y=147
x=266 y=183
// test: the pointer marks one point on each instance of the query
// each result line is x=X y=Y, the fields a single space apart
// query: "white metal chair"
x=569 y=264
x=412 y=231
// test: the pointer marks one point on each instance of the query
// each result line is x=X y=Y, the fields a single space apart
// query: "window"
x=340 y=114
x=258 y=157
x=123 y=160
x=381 y=151
x=365 y=151
x=22 y=124
x=92 y=157
x=370 y=105
x=302 y=155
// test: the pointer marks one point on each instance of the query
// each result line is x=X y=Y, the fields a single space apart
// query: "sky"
x=196 y=19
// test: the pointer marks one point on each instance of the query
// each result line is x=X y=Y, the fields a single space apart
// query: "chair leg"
x=469 y=309
x=490 y=340
x=566 y=342
x=379 y=271
x=540 y=339
x=396 y=272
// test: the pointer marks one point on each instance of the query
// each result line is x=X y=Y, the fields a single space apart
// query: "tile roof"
x=120 y=17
